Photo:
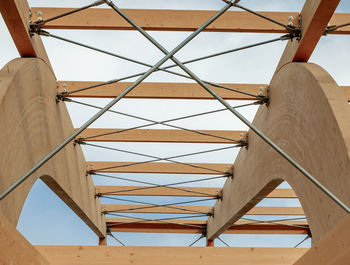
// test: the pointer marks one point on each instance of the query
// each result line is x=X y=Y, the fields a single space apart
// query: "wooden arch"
x=33 y=125
x=308 y=117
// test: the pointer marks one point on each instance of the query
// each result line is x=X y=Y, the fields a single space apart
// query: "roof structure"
x=156 y=149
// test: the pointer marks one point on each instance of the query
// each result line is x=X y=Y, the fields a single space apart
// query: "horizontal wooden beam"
x=165 y=168
x=169 y=20
x=196 y=226
x=111 y=255
x=161 y=136
x=165 y=90
x=184 y=192
x=158 y=90
x=185 y=209
x=16 y=16
x=176 y=20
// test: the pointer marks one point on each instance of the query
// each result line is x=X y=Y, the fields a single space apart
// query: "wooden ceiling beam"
x=186 y=209
x=150 y=90
x=162 y=136
x=165 y=168
x=315 y=17
x=160 y=20
x=111 y=255
x=158 y=90
x=16 y=14
x=185 y=192
x=195 y=226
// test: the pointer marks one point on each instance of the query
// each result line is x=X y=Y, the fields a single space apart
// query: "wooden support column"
x=102 y=241
x=210 y=243
x=314 y=19
x=306 y=107
x=16 y=14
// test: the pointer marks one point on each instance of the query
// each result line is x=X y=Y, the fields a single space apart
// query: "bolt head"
x=290 y=24
x=290 y=18
x=39 y=13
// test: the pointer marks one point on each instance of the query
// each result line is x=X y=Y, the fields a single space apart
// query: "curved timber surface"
x=309 y=118
x=33 y=124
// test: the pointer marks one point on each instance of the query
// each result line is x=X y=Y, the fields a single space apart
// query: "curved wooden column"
x=32 y=124
x=308 y=118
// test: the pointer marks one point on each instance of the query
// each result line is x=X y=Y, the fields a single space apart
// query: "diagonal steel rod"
x=227 y=245
x=236 y=113
x=165 y=185
x=164 y=69
x=154 y=205
x=112 y=103
x=161 y=159
x=41 y=23
x=302 y=241
x=155 y=220
x=113 y=236
x=161 y=122
x=190 y=245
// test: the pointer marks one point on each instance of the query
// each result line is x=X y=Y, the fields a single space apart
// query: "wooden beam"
x=196 y=226
x=315 y=16
x=15 y=249
x=185 y=192
x=165 y=90
x=16 y=16
x=161 y=136
x=332 y=249
x=174 y=20
x=167 y=168
x=158 y=90
x=110 y=255
x=185 y=209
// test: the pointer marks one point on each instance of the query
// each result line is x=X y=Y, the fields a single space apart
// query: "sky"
x=57 y=224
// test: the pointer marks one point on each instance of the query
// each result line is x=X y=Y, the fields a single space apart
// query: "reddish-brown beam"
x=315 y=17
x=165 y=90
x=185 y=209
x=195 y=226
x=162 y=136
x=170 y=20
x=165 y=168
x=184 y=192
x=16 y=14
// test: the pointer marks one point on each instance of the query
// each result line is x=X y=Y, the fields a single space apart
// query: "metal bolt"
x=290 y=24
x=290 y=18
x=39 y=13
x=40 y=19
x=64 y=85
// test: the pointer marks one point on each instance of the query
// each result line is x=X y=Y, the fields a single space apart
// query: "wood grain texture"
x=35 y=124
x=15 y=249
x=79 y=255
x=160 y=19
x=315 y=17
x=307 y=107
x=332 y=249
x=16 y=16
x=162 y=136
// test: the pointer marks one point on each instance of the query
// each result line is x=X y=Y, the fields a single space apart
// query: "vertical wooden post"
x=210 y=242
x=102 y=241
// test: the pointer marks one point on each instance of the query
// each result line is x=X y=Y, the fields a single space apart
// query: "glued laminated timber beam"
x=176 y=20
x=165 y=90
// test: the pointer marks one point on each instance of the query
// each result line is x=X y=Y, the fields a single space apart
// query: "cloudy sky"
x=57 y=224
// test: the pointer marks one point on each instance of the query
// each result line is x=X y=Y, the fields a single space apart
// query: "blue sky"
x=47 y=220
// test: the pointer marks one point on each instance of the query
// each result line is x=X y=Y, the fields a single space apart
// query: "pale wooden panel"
x=185 y=209
x=15 y=249
x=306 y=107
x=183 y=20
x=98 y=255
x=161 y=135
x=168 y=168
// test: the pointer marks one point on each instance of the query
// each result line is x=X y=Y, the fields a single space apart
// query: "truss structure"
x=300 y=108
